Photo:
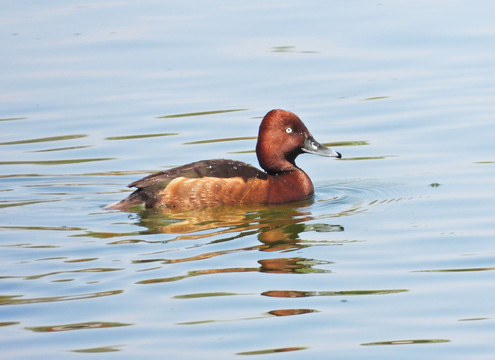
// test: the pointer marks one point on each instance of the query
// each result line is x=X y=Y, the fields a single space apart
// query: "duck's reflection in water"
x=278 y=229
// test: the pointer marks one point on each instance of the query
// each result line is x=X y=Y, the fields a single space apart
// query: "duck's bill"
x=311 y=146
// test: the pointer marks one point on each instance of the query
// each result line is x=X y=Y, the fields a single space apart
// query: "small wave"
x=350 y=196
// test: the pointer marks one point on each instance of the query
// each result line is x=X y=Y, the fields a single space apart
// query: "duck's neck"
x=278 y=167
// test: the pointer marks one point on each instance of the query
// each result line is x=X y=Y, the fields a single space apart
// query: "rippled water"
x=392 y=259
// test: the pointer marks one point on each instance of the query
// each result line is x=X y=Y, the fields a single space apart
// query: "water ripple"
x=360 y=195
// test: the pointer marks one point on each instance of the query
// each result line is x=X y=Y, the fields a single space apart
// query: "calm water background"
x=393 y=259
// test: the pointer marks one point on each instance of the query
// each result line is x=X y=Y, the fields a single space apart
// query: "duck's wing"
x=149 y=189
x=218 y=168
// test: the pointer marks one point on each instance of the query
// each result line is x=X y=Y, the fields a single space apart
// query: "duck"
x=282 y=137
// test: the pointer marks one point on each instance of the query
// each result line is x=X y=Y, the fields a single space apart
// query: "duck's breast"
x=289 y=186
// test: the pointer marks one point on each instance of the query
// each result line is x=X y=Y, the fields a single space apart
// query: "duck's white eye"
x=288 y=130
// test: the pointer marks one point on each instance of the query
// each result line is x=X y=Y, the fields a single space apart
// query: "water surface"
x=392 y=258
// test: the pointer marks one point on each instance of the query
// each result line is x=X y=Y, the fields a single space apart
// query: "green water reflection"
x=104 y=349
x=199 y=113
x=141 y=136
x=43 y=139
x=272 y=351
x=19 y=300
x=78 y=326
x=407 y=342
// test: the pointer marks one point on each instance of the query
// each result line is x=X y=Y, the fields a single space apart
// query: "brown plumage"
x=282 y=137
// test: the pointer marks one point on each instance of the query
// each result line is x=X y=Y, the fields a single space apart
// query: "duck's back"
x=199 y=184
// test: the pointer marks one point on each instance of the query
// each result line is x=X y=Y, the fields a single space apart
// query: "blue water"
x=392 y=259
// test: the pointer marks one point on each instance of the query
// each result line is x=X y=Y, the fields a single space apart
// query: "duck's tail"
x=133 y=200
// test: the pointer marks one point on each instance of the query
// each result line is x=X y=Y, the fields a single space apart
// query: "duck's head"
x=282 y=137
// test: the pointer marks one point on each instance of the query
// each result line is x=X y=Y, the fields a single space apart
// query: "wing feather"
x=219 y=168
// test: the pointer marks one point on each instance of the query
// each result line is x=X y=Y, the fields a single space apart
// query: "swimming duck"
x=282 y=137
